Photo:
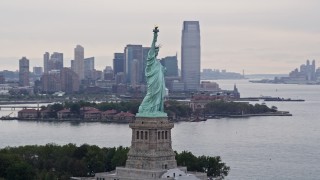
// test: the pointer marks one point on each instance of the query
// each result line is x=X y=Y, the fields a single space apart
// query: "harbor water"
x=265 y=147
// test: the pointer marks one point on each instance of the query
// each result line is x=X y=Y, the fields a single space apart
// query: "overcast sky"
x=258 y=36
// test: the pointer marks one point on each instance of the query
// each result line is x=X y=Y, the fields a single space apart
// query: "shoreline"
x=181 y=119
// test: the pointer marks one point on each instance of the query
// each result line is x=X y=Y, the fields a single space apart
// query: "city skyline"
x=235 y=35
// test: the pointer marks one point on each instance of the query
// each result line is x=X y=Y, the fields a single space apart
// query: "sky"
x=257 y=36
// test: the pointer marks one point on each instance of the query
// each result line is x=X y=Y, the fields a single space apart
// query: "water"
x=255 y=148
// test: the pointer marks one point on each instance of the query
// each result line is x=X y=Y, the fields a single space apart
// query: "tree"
x=211 y=165
x=120 y=156
x=216 y=168
x=20 y=171
x=75 y=108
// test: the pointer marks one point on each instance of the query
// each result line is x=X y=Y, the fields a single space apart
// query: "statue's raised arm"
x=153 y=52
x=153 y=103
x=155 y=37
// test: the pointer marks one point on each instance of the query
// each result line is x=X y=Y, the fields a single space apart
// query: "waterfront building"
x=108 y=115
x=171 y=64
x=28 y=114
x=209 y=74
x=79 y=61
x=64 y=114
x=44 y=114
x=92 y=115
x=200 y=99
x=190 y=55
x=133 y=52
x=124 y=116
x=306 y=74
x=46 y=57
x=209 y=86
x=118 y=63
x=24 y=72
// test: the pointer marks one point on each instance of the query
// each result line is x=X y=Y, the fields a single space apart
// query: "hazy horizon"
x=259 y=37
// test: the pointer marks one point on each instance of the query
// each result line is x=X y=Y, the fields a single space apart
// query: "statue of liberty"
x=152 y=104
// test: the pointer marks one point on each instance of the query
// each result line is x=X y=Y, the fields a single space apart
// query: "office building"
x=24 y=72
x=190 y=55
x=50 y=82
x=56 y=61
x=88 y=68
x=37 y=71
x=79 y=61
x=133 y=52
x=118 y=63
x=2 y=79
x=120 y=78
x=60 y=80
x=46 y=58
x=171 y=64
x=135 y=73
x=69 y=81
x=108 y=73
x=72 y=66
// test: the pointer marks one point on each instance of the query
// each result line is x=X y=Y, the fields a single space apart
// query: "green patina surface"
x=153 y=102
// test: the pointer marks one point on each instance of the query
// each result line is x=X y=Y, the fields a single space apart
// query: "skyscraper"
x=51 y=82
x=88 y=67
x=190 y=55
x=46 y=57
x=69 y=81
x=118 y=63
x=79 y=61
x=37 y=71
x=135 y=73
x=24 y=72
x=108 y=73
x=171 y=64
x=56 y=61
x=2 y=79
x=132 y=52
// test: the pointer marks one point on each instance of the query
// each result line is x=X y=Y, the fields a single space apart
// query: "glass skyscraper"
x=190 y=55
x=79 y=61
x=24 y=72
x=132 y=52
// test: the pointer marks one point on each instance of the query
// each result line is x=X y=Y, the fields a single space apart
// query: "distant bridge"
x=18 y=107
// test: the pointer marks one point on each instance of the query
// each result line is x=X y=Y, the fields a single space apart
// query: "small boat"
x=197 y=119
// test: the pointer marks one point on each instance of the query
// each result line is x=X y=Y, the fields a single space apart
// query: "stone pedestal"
x=151 y=155
x=151 y=145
